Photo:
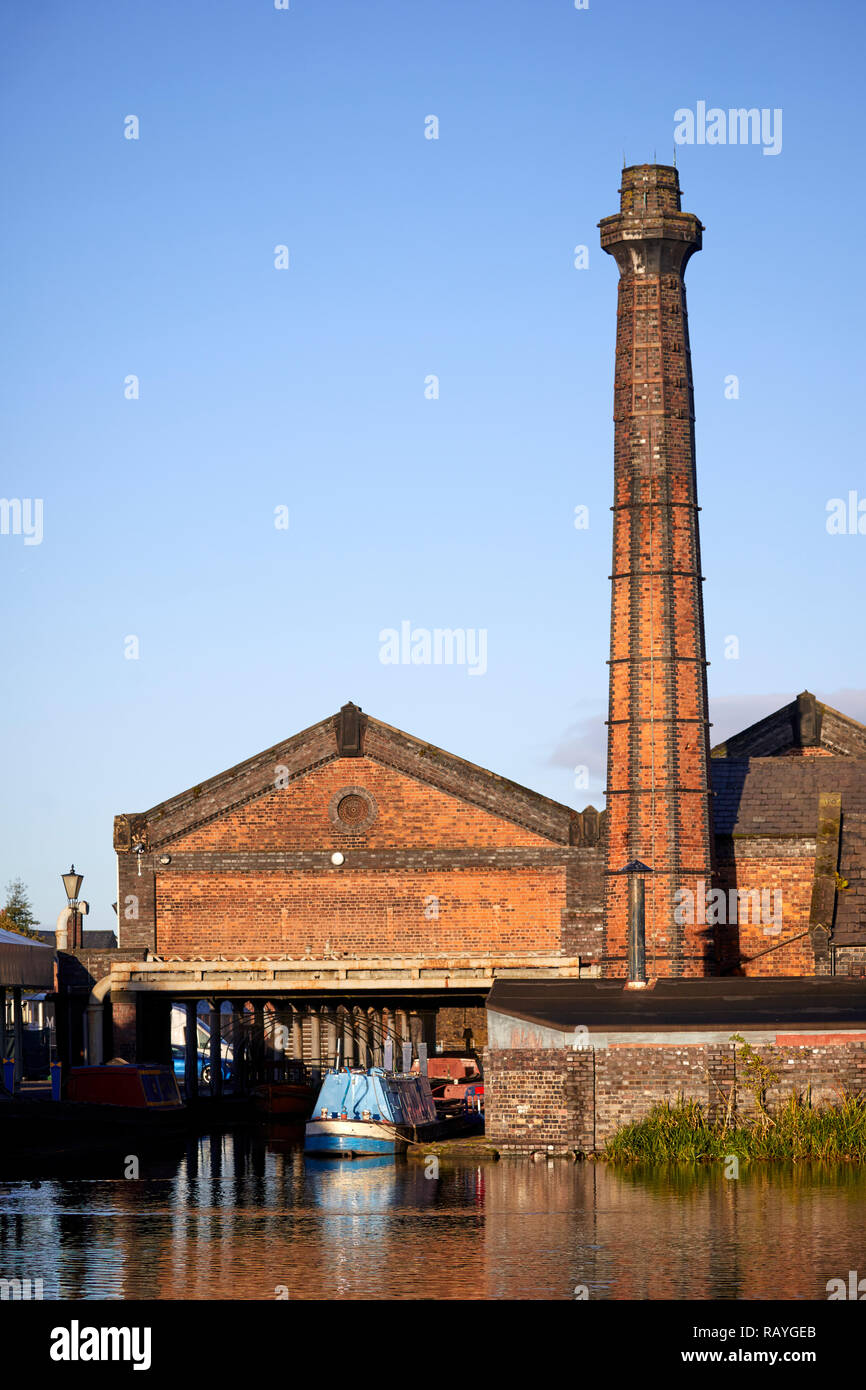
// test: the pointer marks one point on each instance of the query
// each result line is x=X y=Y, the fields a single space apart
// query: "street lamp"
x=72 y=884
x=636 y=922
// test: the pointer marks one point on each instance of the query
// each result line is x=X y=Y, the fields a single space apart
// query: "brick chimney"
x=659 y=808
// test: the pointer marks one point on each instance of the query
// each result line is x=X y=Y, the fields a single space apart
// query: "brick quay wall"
x=567 y=1100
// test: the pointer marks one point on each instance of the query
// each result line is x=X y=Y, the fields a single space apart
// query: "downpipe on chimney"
x=636 y=932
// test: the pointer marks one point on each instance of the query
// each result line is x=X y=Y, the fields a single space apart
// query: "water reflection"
x=246 y=1216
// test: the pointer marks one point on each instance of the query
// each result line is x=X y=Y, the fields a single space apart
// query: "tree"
x=18 y=915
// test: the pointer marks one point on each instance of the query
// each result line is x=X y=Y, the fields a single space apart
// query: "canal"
x=243 y=1215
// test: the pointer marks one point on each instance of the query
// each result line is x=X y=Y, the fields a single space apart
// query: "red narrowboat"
x=135 y=1086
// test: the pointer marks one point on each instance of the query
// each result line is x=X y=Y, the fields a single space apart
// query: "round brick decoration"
x=352 y=809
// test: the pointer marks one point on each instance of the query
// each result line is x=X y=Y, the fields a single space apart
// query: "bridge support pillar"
x=18 y=1034
x=258 y=1042
x=282 y=1038
x=315 y=1038
x=216 y=1049
x=269 y=1040
x=297 y=1034
x=190 y=1054
x=347 y=1023
x=239 y=1048
x=362 y=1035
x=329 y=1035
x=388 y=1036
x=375 y=1036
x=124 y=1017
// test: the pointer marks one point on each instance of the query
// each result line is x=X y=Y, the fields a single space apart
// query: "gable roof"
x=806 y=723
x=351 y=734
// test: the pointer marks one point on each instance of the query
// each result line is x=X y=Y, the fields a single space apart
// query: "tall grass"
x=681 y=1132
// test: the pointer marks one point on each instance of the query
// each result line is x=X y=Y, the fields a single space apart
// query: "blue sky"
x=305 y=387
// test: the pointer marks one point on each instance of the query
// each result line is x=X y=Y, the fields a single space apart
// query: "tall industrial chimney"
x=658 y=793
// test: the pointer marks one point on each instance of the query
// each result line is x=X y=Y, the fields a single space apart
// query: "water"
x=234 y=1216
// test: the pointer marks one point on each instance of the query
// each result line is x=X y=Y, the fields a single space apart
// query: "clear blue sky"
x=305 y=387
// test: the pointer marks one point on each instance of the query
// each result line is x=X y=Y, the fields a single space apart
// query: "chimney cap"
x=634 y=866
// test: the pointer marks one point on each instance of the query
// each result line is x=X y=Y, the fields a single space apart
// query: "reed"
x=682 y=1132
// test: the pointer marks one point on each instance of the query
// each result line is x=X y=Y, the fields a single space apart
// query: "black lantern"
x=72 y=883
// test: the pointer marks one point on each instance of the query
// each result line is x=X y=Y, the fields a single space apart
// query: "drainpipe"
x=636 y=931
x=61 y=931
x=636 y=923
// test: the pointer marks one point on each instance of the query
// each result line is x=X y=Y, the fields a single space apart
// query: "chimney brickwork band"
x=658 y=788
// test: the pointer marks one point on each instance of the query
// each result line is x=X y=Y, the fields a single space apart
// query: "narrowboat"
x=360 y=1112
x=133 y=1087
x=292 y=1095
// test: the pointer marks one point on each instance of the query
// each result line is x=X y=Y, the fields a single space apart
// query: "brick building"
x=437 y=858
x=352 y=867
x=569 y=1062
x=442 y=860
x=355 y=868
x=756 y=849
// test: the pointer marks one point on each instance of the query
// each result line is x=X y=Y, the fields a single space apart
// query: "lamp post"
x=636 y=922
x=72 y=883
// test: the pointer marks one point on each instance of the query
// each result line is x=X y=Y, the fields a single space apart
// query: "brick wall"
x=81 y=970
x=851 y=960
x=574 y=1101
x=451 y=1026
x=360 y=912
x=535 y=1100
x=301 y=816
x=243 y=866
x=761 y=947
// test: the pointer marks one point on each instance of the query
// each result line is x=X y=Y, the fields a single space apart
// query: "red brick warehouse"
x=356 y=863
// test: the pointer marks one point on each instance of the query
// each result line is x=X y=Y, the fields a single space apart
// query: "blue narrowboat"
x=370 y=1112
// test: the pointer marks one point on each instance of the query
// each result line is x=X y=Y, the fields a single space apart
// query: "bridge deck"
x=270 y=974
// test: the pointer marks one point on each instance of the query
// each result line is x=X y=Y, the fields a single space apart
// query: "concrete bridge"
x=299 y=1008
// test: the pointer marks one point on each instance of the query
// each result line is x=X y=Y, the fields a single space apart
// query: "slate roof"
x=763 y=796
x=681 y=1004
x=92 y=940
